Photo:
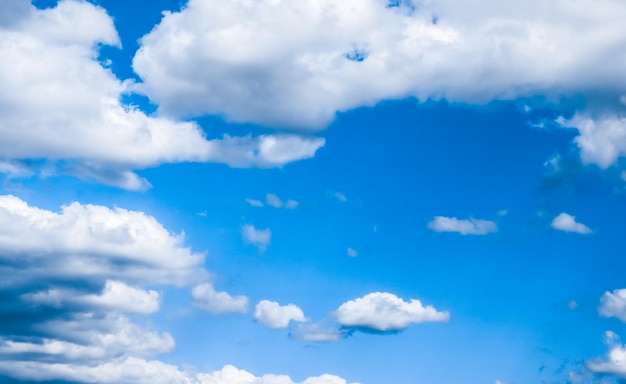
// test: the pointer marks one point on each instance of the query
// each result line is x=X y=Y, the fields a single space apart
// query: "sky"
x=312 y=191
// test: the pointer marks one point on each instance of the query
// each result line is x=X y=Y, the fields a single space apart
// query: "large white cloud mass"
x=382 y=311
x=77 y=289
x=295 y=63
x=58 y=102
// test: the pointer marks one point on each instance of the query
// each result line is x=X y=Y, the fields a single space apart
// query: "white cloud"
x=615 y=361
x=352 y=252
x=207 y=298
x=133 y=370
x=568 y=223
x=613 y=304
x=68 y=111
x=257 y=237
x=273 y=315
x=254 y=203
x=381 y=311
x=91 y=241
x=601 y=139
x=354 y=56
x=115 y=295
x=273 y=200
x=464 y=227
x=340 y=196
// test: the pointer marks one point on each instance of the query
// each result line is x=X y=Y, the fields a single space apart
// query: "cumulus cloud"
x=274 y=201
x=258 y=237
x=69 y=111
x=381 y=311
x=207 y=298
x=601 y=139
x=133 y=370
x=296 y=63
x=273 y=315
x=613 y=304
x=615 y=361
x=464 y=227
x=568 y=223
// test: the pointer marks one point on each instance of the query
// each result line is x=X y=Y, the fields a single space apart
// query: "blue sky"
x=305 y=191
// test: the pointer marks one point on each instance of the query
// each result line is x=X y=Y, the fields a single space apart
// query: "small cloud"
x=207 y=298
x=273 y=315
x=352 y=252
x=273 y=200
x=568 y=223
x=258 y=237
x=613 y=304
x=291 y=204
x=340 y=196
x=503 y=212
x=572 y=305
x=386 y=312
x=464 y=227
x=254 y=203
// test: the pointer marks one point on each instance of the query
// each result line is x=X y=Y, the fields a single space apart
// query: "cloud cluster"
x=69 y=112
x=464 y=227
x=79 y=282
x=295 y=63
x=567 y=223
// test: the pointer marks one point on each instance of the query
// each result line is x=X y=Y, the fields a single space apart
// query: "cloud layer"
x=296 y=63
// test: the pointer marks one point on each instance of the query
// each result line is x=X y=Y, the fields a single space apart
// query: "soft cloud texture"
x=140 y=371
x=615 y=361
x=464 y=227
x=68 y=111
x=318 y=333
x=613 y=304
x=258 y=237
x=207 y=298
x=274 y=201
x=296 y=63
x=381 y=311
x=568 y=223
x=273 y=315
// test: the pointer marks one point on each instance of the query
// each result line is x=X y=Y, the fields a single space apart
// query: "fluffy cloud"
x=615 y=361
x=68 y=111
x=464 y=227
x=602 y=139
x=613 y=304
x=74 y=278
x=381 y=311
x=568 y=223
x=139 y=371
x=257 y=237
x=296 y=63
x=207 y=298
x=273 y=315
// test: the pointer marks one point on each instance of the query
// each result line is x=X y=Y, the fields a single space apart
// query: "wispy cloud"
x=464 y=227
x=258 y=237
x=207 y=298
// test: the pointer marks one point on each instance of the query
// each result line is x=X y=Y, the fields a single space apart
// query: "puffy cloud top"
x=296 y=63
x=381 y=311
x=274 y=315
